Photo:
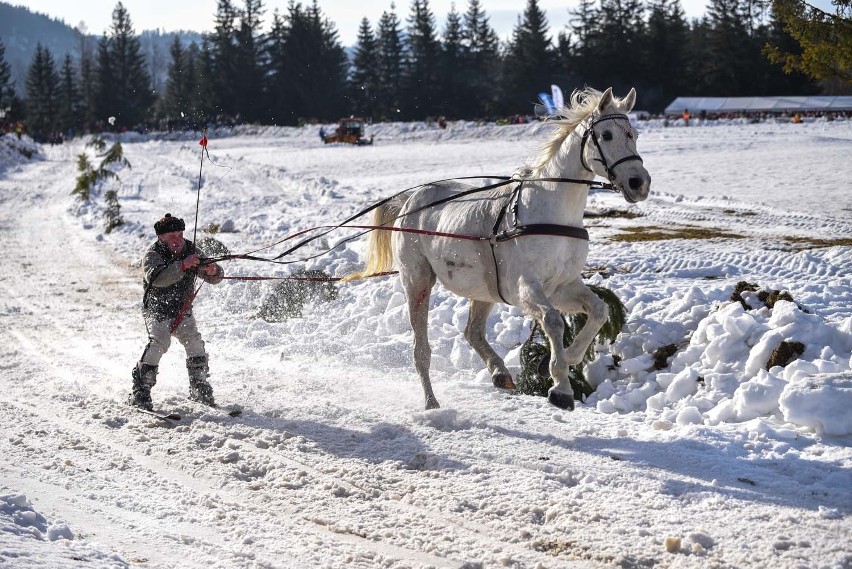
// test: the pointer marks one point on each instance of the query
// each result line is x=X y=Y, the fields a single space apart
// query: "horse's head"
x=609 y=147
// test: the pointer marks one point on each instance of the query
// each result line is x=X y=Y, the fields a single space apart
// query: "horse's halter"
x=590 y=130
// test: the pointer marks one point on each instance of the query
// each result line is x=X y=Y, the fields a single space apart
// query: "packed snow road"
x=333 y=463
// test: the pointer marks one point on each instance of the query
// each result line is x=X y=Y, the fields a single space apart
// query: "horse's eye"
x=607 y=135
x=630 y=135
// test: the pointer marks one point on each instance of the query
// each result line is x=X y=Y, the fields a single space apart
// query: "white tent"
x=758 y=104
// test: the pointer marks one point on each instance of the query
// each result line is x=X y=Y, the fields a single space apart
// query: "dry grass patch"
x=810 y=242
x=653 y=233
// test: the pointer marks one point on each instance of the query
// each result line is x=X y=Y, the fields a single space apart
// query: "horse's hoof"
x=432 y=404
x=503 y=381
x=561 y=400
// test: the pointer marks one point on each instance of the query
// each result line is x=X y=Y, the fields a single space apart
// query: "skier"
x=170 y=266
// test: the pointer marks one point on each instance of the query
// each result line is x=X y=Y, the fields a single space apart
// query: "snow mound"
x=55 y=542
x=821 y=402
x=721 y=371
x=14 y=150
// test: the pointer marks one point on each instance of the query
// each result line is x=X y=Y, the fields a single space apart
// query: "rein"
x=496 y=237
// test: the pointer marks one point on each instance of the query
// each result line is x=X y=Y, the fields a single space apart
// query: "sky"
x=197 y=15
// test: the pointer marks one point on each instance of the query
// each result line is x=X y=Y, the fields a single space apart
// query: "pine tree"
x=579 y=49
x=223 y=48
x=622 y=53
x=529 y=64
x=667 y=63
x=825 y=40
x=177 y=102
x=7 y=87
x=68 y=97
x=364 y=86
x=481 y=60
x=391 y=62
x=724 y=70
x=307 y=67
x=125 y=85
x=453 y=85
x=420 y=80
x=248 y=73
x=278 y=77
x=87 y=86
x=42 y=94
x=203 y=90
x=331 y=69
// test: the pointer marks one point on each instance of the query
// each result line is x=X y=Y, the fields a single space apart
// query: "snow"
x=712 y=460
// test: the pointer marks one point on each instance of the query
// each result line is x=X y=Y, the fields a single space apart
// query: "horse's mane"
x=582 y=103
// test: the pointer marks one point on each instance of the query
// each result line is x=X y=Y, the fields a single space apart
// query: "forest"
x=290 y=67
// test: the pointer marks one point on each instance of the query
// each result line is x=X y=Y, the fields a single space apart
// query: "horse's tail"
x=379 y=252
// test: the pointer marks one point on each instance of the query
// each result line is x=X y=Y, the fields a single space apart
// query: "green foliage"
x=535 y=379
x=288 y=297
x=85 y=180
x=825 y=40
x=113 y=211
x=97 y=142
x=115 y=155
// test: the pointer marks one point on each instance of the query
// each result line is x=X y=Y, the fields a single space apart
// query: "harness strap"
x=514 y=198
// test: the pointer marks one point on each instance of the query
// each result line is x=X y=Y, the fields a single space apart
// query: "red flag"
x=203 y=141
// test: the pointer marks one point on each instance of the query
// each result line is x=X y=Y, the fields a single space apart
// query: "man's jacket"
x=166 y=285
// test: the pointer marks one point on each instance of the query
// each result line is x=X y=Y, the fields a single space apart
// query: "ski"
x=229 y=410
x=159 y=415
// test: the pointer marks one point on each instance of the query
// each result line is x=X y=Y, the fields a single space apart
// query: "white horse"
x=521 y=244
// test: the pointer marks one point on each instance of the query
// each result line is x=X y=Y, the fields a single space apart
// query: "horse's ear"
x=606 y=100
x=629 y=101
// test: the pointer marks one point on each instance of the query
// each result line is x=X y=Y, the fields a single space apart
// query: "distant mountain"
x=21 y=29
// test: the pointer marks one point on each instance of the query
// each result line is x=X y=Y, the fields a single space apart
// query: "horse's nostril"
x=635 y=183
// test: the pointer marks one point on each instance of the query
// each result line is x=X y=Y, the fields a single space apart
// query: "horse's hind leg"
x=474 y=332
x=417 y=282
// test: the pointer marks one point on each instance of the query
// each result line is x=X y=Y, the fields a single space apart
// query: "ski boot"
x=144 y=378
x=199 y=389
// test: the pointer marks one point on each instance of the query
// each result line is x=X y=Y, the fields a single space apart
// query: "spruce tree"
x=330 y=70
x=248 y=73
x=42 y=94
x=529 y=65
x=622 y=52
x=824 y=40
x=128 y=96
x=391 y=61
x=177 y=101
x=364 y=86
x=421 y=77
x=7 y=87
x=453 y=87
x=480 y=46
x=87 y=87
x=224 y=51
x=582 y=45
x=724 y=70
x=279 y=94
x=67 y=116
x=667 y=64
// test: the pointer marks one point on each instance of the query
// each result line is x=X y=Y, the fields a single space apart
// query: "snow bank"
x=14 y=150
x=59 y=545
x=718 y=373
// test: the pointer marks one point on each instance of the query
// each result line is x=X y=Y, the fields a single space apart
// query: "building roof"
x=758 y=104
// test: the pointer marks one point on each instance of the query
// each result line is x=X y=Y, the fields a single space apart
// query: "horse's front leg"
x=536 y=304
x=474 y=333
x=418 y=287
x=575 y=297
